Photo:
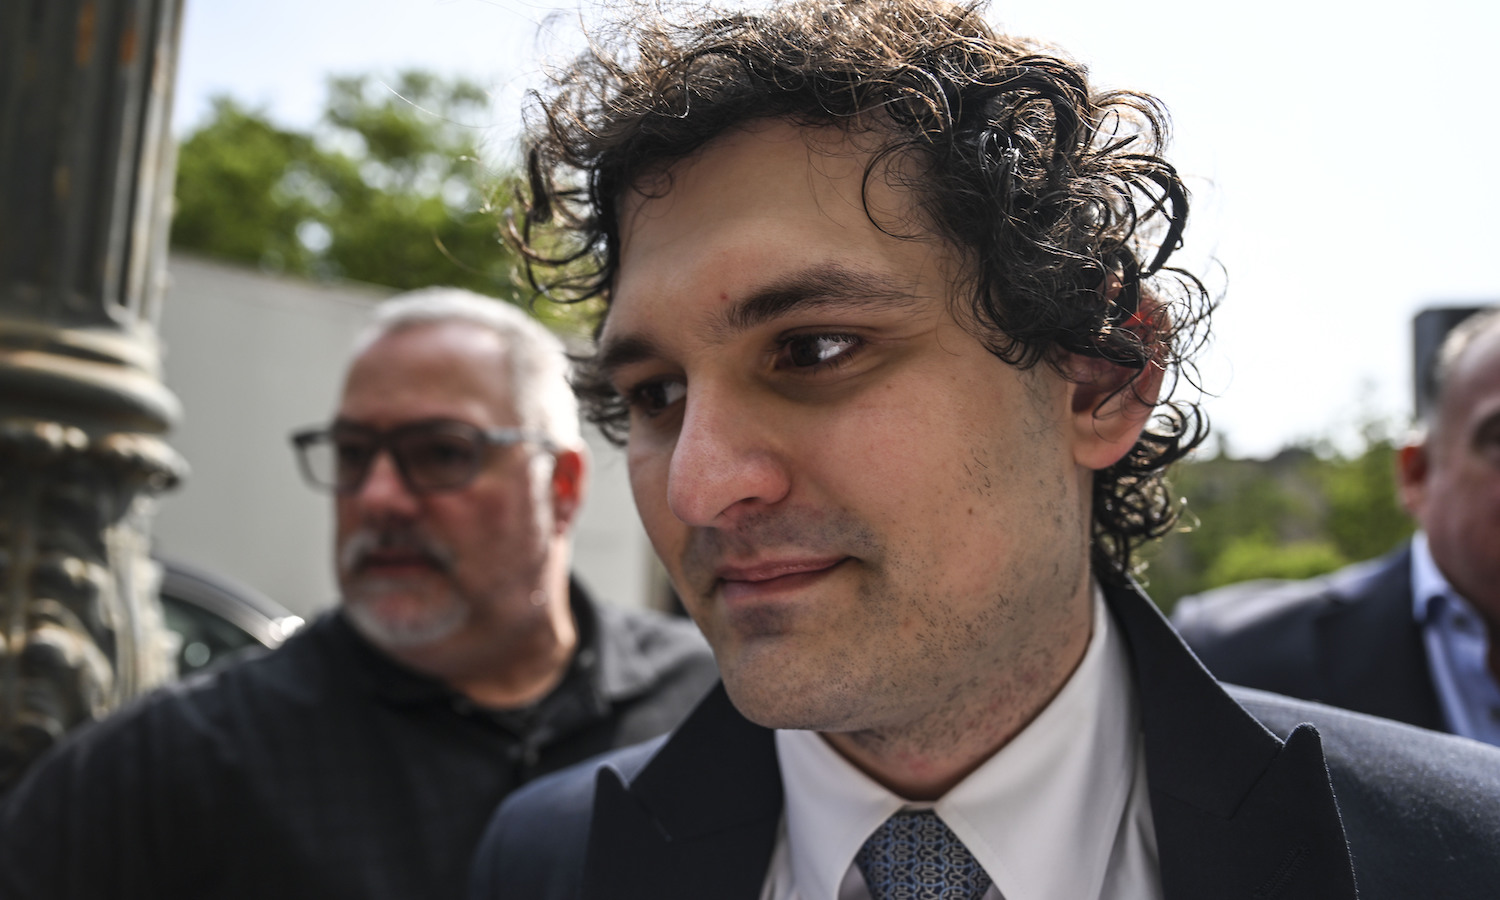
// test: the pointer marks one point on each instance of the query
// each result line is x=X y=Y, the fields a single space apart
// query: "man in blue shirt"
x=1409 y=636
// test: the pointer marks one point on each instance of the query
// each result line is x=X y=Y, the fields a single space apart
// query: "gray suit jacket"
x=1249 y=802
x=1347 y=639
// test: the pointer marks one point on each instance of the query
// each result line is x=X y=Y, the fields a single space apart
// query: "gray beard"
x=435 y=622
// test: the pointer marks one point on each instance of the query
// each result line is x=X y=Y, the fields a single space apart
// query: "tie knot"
x=916 y=856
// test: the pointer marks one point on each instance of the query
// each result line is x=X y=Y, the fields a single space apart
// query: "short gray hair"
x=539 y=366
x=1453 y=348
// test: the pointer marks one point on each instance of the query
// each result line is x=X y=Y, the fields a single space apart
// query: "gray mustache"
x=358 y=547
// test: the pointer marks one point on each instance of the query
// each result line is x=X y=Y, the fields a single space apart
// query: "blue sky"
x=1341 y=154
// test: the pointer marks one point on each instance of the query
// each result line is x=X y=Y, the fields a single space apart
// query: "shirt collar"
x=1063 y=782
x=1430 y=591
x=384 y=678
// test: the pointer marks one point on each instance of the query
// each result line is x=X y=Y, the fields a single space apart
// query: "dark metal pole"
x=86 y=172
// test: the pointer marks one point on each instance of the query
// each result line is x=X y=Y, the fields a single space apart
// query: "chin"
x=775 y=695
x=400 y=621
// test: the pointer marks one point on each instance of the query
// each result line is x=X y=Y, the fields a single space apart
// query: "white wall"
x=253 y=356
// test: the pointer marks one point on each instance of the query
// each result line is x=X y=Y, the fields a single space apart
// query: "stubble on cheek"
x=761 y=623
x=784 y=662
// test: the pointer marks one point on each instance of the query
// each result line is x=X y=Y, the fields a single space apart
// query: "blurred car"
x=216 y=617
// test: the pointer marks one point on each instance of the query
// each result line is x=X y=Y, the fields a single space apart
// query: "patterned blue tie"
x=915 y=856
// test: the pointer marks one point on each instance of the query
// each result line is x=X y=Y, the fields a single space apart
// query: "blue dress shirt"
x=1457 y=650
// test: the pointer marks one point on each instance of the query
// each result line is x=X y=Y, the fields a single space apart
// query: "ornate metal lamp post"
x=86 y=170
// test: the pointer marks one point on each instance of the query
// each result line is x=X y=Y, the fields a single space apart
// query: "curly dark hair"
x=1056 y=195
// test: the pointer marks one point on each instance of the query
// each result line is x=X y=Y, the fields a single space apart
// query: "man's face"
x=425 y=572
x=1452 y=484
x=868 y=515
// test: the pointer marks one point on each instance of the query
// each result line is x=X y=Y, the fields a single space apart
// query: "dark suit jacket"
x=1347 y=640
x=1247 y=801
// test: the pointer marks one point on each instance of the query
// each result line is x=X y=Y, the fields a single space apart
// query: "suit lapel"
x=699 y=820
x=1370 y=649
x=1238 y=813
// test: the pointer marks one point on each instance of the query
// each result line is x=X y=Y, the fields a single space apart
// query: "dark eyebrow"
x=829 y=284
x=616 y=353
x=825 y=285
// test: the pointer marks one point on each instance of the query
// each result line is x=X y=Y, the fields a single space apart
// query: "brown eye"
x=654 y=397
x=811 y=350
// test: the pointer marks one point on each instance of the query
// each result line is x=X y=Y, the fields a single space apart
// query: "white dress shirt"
x=1457 y=650
x=1059 y=813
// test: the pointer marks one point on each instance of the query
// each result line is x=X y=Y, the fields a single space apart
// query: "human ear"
x=1111 y=405
x=1411 y=475
x=569 y=481
x=1113 y=400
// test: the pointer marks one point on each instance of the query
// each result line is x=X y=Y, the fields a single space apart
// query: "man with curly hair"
x=889 y=334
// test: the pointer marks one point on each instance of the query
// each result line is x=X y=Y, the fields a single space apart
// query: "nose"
x=384 y=494
x=726 y=462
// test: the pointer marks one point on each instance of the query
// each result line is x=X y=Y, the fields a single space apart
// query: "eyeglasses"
x=441 y=455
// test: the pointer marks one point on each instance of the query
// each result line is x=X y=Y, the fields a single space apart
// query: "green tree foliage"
x=1300 y=514
x=1245 y=559
x=1365 y=517
x=388 y=189
x=230 y=196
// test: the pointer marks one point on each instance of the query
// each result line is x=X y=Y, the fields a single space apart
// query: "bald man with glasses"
x=363 y=757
